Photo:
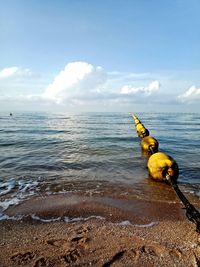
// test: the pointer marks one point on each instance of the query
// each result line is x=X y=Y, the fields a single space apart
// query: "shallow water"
x=93 y=153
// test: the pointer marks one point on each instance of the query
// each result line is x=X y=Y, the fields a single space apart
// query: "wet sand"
x=98 y=231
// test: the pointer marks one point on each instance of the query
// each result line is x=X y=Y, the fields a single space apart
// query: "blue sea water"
x=42 y=153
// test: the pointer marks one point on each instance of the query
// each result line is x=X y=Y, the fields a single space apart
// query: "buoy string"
x=191 y=212
x=151 y=150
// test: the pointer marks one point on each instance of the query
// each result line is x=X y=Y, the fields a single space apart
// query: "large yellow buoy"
x=149 y=145
x=162 y=167
x=141 y=130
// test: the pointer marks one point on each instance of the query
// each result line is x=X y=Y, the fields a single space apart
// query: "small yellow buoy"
x=149 y=145
x=162 y=167
x=141 y=130
x=135 y=118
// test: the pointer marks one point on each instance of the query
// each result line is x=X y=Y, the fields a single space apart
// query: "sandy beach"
x=81 y=230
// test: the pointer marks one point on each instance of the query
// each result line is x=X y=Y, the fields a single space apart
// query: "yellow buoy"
x=135 y=118
x=141 y=130
x=160 y=166
x=149 y=145
x=136 y=121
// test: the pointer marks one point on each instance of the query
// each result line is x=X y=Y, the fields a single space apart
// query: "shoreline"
x=111 y=208
x=98 y=231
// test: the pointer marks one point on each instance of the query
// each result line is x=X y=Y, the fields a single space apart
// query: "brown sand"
x=156 y=234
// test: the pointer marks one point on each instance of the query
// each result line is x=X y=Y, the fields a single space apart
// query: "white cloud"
x=77 y=79
x=80 y=82
x=191 y=95
x=8 y=72
x=148 y=90
x=13 y=72
x=82 y=85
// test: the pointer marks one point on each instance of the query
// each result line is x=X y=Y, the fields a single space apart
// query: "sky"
x=108 y=55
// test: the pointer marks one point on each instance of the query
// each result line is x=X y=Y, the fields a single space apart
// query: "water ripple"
x=93 y=147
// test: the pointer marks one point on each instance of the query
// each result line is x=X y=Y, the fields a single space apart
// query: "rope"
x=151 y=150
x=191 y=212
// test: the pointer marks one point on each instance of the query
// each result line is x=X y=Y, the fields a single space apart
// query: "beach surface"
x=83 y=230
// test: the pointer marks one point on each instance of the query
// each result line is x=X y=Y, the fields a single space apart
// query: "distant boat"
x=11 y=114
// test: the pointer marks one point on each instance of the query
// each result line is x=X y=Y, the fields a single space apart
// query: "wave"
x=75 y=219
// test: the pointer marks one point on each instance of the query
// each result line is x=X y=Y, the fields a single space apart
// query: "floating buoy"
x=162 y=167
x=141 y=130
x=149 y=145
x=135 y=118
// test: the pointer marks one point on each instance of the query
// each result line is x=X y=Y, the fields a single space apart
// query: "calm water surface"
x=90 y=152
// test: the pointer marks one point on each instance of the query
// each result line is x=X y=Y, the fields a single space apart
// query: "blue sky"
x=123 y=55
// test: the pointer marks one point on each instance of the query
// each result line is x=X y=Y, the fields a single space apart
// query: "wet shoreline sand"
x=98 y=231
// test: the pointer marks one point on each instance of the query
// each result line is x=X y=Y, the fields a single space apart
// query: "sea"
x=92 y=154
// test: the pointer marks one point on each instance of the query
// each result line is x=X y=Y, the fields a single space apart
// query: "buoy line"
x=163 y=168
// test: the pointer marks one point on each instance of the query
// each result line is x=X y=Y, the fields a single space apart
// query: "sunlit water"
x=90 y=152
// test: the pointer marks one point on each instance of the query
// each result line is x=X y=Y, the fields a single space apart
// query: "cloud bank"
x=76 y=80
x=13 y=72
x=148 y=90
x=191 y=95
x=81 y=81
x=89 y=87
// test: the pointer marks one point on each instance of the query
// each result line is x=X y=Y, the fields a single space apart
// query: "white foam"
x=27 y=185
x=67 y=219
x=38 y=218
x=6 y=187
x=8 y=202
x=6 y=217
x=25 y=189
x=77 y=219
x=137 y=225
x=35 y=217
x=125 y=223
x=146 y=225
